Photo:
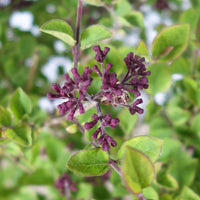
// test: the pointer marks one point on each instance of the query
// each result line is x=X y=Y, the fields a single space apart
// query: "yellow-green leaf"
x=59 y=29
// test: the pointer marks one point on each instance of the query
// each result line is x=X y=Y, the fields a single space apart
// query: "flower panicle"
x=113 y=91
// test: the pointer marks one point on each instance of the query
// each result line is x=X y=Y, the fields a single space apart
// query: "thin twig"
x=76 y=48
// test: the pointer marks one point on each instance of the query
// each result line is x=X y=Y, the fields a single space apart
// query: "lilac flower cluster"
x=79 y=83
x=113 y=91
x=103 y=139
x=65 y=183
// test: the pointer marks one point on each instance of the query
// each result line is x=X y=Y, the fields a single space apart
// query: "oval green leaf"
x=91 y=162
x=167 y=181
x=94 y=34
x=20 y=103
x=59 y=29
x=20 y=134
x=5 y=117
x=137 y=170
x=149 y=145
x=135 y=18
x=175 y=36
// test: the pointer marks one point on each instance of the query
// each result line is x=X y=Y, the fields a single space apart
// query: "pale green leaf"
x=20 y=134
x=94 y=34
x=5 y=117
x=91 y=162
x=20 y=103
x=135 y=18
x=137 y=170
x=59 y=29
x=175 y=36
x=150 y=146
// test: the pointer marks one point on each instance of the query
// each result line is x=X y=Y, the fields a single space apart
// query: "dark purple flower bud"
x=87 y=71
x=101 y=139
x=56 y=87
x=107 y=117
x=96 y=69
x=71 y=114
x=134 y=108
x=81 y=108
x=68 y=79
x=100 y=55
x=89 y=125
x=113 y=79
x=111 y=141
x=114 y=122
x=95 y=134
x=75 y=73
x=52 y=95
x=95 y=117
x=105 y=146
x=108 y=66
x=63 y=108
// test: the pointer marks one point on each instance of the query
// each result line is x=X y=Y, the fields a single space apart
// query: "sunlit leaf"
x=150 y=146
x=89 y=162
x=94 y=34
x=175 y=36
x=137 y=170
x=59 y=29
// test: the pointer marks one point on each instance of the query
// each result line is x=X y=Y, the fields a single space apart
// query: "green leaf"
x=169 y=149
x=150 y=193
x=160 y=78
x=190 y=16
x=187 y=193
x=94 y=34
x=178 y=116
x=20 y=134
x=183 y=164
x=137 y=170
x=59 y=29
x=142 y=49
x=122 y=7
x=20 y=103
x=95 y=2
x=167 y=181
x=150 y=146
x=175 y=36
x=91 y=162
x=5 y=117
x=135 y=18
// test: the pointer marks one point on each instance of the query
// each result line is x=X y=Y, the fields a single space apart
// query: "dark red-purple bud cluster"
x=100 y=135
x=79 y=83
x=100 y=55
x=113 y=91
x=65 y=183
